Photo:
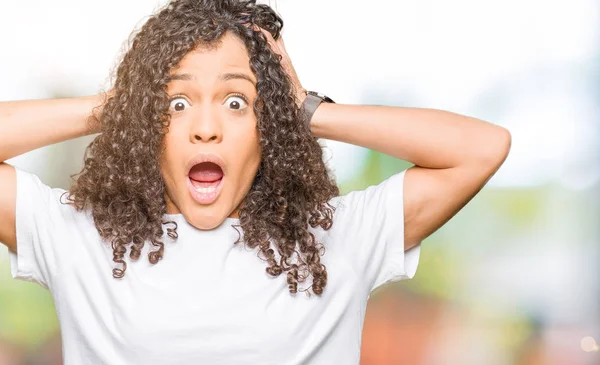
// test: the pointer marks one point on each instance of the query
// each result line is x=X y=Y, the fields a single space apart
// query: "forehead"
x=228 y=54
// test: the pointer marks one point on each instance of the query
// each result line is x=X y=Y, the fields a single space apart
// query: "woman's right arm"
x=30 y=124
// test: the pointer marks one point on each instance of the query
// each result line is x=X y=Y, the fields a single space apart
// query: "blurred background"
x=512 y=279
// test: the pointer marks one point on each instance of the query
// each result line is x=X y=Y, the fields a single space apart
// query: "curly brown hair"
x=121 y=181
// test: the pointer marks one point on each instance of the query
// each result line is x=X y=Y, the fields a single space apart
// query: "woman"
x=207 y=153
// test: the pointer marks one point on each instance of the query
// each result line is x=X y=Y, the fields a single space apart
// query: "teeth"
x=211 y=189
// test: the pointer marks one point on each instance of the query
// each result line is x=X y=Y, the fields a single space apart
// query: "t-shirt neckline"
x=179 y=217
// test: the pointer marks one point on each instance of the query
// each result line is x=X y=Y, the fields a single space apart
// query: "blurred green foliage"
x=27 y=313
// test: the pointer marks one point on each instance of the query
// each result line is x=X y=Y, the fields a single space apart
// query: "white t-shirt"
x=208 y=301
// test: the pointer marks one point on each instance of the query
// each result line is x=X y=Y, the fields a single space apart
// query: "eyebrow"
x=222 y=77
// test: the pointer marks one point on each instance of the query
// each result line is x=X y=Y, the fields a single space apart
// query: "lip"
x=205 y=157
x=205 y=198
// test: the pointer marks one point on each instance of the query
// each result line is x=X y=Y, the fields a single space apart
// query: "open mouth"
x=205 y=181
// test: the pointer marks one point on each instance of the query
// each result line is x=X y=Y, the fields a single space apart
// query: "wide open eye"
x=178 y=104
x=236 y=102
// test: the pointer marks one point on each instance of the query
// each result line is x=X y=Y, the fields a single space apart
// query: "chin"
x=204 y=219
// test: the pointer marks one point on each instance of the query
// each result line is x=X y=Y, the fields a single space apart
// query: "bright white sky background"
x=526 y=65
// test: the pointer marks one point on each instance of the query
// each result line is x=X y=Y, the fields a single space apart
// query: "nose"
x=206 y=128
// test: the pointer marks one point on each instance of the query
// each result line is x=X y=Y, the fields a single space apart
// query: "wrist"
x=312 y=102
x=95 y=107
x=318 y=122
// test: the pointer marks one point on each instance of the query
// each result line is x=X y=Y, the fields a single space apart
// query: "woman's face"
x=212 y=150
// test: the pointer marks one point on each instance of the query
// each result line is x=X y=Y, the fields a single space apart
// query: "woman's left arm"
x=454 y=155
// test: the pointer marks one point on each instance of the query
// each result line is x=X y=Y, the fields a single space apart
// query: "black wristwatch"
x=312 y=101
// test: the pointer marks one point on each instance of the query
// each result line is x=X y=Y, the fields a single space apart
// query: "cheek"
x=175 y=139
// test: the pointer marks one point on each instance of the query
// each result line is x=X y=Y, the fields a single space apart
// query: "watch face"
x=323 y=97
x=328 y=99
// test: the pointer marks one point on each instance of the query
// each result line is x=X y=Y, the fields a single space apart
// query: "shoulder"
x=358 y=203
x=36 y=197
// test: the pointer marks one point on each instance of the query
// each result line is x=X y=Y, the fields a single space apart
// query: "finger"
x=268 y=36
x=273 y=44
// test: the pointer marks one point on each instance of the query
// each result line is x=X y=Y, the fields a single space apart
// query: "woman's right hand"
x=99 y=101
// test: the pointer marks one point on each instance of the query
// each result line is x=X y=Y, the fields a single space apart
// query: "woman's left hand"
x=278 y=47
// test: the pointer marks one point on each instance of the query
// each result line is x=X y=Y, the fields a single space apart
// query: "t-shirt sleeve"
x=40 y=222
x=370 y=225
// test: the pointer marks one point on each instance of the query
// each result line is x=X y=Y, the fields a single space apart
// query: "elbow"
x=503 y=144
x=495 y=148
x=502 y=147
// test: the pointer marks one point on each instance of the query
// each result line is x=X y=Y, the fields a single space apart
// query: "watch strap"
x=311 y=102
